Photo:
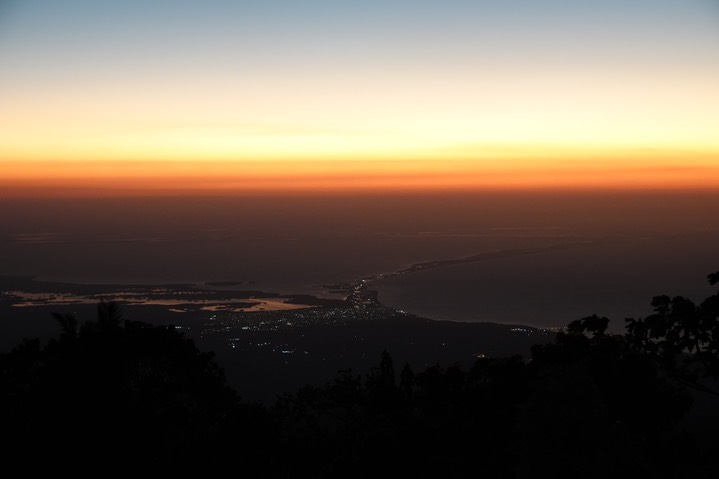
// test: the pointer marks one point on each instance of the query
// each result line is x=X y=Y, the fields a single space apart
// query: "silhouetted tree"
x=406 y=381
x=681 y=336
x=593 y=398
x=112 y=396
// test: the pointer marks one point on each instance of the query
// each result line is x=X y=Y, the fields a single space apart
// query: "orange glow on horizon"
x=628 y=170
x=120 y=99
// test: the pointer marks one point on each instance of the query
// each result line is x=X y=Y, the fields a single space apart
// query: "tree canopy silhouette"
x=111 y=395
x=115 y=395
x=681 y=336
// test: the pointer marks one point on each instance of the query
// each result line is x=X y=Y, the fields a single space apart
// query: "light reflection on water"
x=26 y=299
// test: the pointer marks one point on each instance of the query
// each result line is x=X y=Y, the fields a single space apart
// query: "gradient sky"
x=237 y=96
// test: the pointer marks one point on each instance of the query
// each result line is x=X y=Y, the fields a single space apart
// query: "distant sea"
x=615 y=277
x=548 y=258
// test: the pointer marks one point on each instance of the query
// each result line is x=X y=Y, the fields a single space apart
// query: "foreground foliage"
x=118 y=396
x=114 y=395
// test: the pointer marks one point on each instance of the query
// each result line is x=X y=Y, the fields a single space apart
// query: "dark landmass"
x=300 y=393
x=156 y=291
x=269 y=352
x=309 y=300
x=118 y=395
x=261 y=364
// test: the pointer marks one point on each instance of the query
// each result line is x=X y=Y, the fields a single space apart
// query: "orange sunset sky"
x=183 y=97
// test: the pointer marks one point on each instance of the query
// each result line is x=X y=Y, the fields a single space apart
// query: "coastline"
x=264 y=353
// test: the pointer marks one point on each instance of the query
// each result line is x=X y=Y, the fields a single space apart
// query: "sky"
x=136 y=97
